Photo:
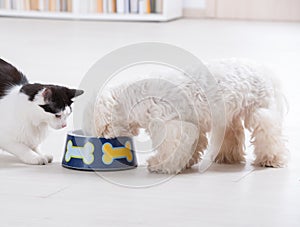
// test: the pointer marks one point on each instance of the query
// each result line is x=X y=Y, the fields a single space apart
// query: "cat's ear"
x=73 y=93
x=47 y=94
x=43 y=97
x=32 y=91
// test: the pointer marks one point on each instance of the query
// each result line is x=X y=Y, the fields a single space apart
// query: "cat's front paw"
x=49 y=157
x=38 y=160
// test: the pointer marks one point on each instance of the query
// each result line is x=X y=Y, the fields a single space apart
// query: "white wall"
x=194 y=4
x=284 y=10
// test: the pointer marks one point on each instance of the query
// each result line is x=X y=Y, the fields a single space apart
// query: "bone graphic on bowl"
x=111 y=153
x=86 y=153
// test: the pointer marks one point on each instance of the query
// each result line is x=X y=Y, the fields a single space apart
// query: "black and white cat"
x=26 y=111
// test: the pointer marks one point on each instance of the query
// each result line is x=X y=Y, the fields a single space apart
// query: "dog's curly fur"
x=166 y=110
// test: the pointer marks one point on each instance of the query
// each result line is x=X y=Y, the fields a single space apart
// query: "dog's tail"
x=280 y=101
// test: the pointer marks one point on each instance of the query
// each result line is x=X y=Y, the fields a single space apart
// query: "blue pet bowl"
x=98 y=154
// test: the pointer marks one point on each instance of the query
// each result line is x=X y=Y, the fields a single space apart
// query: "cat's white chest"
x=31 y=135
x=18 y=123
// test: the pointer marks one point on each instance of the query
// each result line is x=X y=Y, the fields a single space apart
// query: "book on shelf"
x=34 y=4
x=152 y=6
x=99 y=6
x=134 y=6
x=127 y=6
x=75 y=6
x=112 y=6
x=159 y=6
x=5 y=4
x=63 y=5
x=86 y=6
x=105 y=6
x=148 y=6
x=142 y=7
x=69 y=5
x=120 y=6
x=52 y=5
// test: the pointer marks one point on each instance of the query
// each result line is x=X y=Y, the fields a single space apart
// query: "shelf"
x=172 y=9
x=106 y=17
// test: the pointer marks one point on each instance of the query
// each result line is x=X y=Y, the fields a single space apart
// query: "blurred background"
x=275 y=10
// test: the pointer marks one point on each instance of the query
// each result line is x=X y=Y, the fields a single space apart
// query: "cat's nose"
x=64 y=125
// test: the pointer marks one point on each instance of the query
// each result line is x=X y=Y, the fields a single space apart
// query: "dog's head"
x=111 y=118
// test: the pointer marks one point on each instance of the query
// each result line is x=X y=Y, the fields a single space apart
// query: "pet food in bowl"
x=92 y=153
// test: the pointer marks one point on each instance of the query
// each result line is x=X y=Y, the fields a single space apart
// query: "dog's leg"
x=267 y=138
x=232 y=149
x=200 y=148
x=175 y=149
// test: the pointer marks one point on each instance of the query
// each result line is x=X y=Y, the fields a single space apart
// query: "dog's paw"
x=274 y=162
x=158 y=166
x=156 y=169
x=155 y=166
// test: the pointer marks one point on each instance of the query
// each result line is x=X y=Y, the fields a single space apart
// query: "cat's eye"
x=57 y=116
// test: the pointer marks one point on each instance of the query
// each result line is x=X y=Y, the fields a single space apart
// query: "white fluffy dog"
x=177 y=114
